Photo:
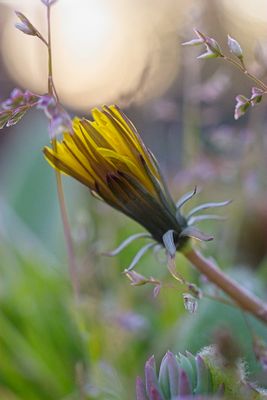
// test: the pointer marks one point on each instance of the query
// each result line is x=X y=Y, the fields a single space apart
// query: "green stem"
x=61 y=199
x=242 y=297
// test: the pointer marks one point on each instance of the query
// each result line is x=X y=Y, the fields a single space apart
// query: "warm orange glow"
x=255 y=9
x=113 y=50
x=104 y=50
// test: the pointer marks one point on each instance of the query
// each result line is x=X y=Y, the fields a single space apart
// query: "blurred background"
x=126 y=52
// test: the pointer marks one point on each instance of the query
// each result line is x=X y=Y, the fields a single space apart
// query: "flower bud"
x=235 y=47
x=25 y=25
x=242 y=104
x=256 y=95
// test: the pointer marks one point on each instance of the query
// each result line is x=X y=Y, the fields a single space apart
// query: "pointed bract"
x=127 y=242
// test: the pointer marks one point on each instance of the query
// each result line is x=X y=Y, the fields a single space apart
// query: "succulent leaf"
x=152 y=385
x=204 y=385
x=186 y=365
x=140 y=389
x=204 y=376
x=185 y=388
x=169 y=376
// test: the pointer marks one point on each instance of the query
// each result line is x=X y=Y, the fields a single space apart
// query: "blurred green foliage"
x=40 y=344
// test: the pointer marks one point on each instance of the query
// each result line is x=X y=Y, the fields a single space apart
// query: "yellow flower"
x=109 y=157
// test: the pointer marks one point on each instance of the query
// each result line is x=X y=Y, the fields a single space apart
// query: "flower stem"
x=242 y=297
x=61 y=199
x=245 y=71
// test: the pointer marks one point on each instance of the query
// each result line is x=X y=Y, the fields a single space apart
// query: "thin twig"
x=63 y=211
x=242 y=68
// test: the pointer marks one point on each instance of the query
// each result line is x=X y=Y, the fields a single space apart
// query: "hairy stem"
x=242 y=297
x=61 y=199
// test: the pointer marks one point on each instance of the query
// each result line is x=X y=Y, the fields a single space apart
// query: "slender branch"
x=67 y=232
x=51 y=85
x=242 y=68
x=49 y=48
x=42 y=39
x=63 y=210
x=246 y=300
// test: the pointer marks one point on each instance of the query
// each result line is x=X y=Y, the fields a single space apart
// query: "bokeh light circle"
x=103 y=50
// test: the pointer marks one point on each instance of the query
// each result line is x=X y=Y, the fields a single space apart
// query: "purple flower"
x=16 y=106
x=242 y=104
x=60 y=121
x=48 y=2
x=256 y=96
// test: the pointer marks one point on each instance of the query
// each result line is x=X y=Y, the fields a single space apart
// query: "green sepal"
x=126 y=243
x=157 y=185
x=185 y=198
x=195 y=233
x=206 y=217
x=138 y=256
x=164 y=184
x=168 y=240
x=205 y=206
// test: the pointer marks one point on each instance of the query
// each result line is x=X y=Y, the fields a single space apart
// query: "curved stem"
x=242 y=297
x=63 y=210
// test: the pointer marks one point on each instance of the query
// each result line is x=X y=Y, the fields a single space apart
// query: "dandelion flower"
x=109 y=157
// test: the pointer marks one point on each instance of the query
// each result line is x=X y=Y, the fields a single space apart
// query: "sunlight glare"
x=103 y=50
